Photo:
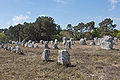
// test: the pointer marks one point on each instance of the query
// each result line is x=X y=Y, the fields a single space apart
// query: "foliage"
x=58 y=37
x=3 y=37
x=118 y=35
x=43 y=28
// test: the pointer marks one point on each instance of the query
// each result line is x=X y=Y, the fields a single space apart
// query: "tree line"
x=45 y=28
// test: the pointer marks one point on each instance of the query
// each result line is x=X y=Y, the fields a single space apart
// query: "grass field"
x=88 y=63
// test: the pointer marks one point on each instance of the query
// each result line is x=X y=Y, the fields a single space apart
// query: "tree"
x=3 y=37
x=107 y=25
x=69 y=27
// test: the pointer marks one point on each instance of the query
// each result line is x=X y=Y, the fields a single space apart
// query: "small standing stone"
x=46 y=45
x=64 y=57
x=36 y=45
x=55 y=46
x=64 y=40
x=18 y=50
x=82 y=42
x=68 y=45
x=45 y=55
x=92 y=42
x=71 y=40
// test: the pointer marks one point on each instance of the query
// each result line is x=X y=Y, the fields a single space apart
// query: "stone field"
x=88 y=62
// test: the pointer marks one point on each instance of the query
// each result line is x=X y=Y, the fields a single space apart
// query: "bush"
x=3 y=37
x=58 y=37
x=118 y=35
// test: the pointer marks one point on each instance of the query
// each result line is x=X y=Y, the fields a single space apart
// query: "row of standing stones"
x=106 y=42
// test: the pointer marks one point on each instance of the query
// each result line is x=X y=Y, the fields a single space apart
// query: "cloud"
x=113 y=4
x=29 y=12
x=20 y=18
x=43 y=15
x=61 y=1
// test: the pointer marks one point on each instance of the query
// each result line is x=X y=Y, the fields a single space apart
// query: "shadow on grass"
x=115 y=49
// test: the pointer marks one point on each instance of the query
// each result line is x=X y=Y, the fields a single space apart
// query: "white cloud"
x=113 y=4
x=61 y=1
x=20 y=18
x=116 y=18
x=29 y=12
x=43 y=15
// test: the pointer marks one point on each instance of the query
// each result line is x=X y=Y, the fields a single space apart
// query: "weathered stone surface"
x=64 y=40
x=46 y=45
x=82 y=42
x=107 y=42
x=92 y=42
x=64 y=57
x=68 y=45
x=45 y=55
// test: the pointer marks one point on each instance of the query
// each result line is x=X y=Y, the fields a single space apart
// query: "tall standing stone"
x=64 y=57
x=45 y=55
x=107 y=42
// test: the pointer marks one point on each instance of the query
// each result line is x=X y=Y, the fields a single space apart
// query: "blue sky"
x=63 y=11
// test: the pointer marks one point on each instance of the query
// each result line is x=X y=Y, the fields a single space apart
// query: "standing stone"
x=30 y=45
x=51 y=42
x=107 y=42
x=30 y=41
x=71 y=40
x=9 y=48
x=41 y=41
x=82 y=42
x=36 y=45
x=68 y=45
x=45 y=55
x=64 y=57
x=18 y=50
x=6 y=47
x=98 y=41
x=26 y=44
x=2 y=46
x=115 y=41
x=56 y=41
x=12 y=47
x=55 y=46
x=64 y=40
x=46 y=45
x=92 y=42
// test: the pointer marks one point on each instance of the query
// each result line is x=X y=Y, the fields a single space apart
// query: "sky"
x=64 y=12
